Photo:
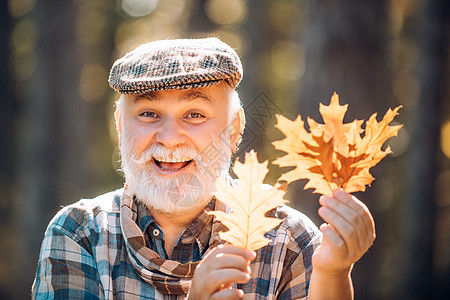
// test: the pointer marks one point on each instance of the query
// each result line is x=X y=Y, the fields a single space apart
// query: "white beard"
x=180 y=193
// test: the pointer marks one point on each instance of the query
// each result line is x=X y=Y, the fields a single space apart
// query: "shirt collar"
x=144 y=218
x=199 y=229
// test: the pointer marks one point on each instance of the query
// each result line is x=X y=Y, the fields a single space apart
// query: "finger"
x=226 y=277
x=334 y=240
x=344 y=229
x=350 y=216
x=360 y=208
x=218 y=280
x=230 y=249
x=228 y=294
x=225 y=260
x=223 y=266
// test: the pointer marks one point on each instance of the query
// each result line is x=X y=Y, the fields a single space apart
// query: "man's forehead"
x=180 y=95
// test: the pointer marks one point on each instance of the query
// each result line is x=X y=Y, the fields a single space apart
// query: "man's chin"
x=170 y=195
x=173 y=205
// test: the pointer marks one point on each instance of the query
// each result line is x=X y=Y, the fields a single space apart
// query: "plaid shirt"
x=84 y=254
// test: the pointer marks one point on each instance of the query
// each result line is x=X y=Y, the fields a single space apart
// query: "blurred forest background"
x=58 y=142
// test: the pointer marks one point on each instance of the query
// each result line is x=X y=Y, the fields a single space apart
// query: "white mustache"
x=161 y=153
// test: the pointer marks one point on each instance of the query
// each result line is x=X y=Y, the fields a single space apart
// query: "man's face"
x=175 y=143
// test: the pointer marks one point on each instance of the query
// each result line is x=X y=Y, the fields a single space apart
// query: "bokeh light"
x=237 y=39
x=93 y=82
x=286 y=16
x=90 y=23
x=22 y=65
x=133 y=32
x=23 y=60
x=139 y=8
x=24 y=36
x=406 y=90
x=19 y=8
x=400 y=143
x=226 y=12
x=175 y=10
x=396 y=15
x=445 y=139
x=404 y=57
x=288 y=60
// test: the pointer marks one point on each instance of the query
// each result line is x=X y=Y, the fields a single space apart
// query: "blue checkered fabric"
x=84 y=254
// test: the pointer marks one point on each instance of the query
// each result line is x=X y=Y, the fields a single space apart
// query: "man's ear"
x=118 y=118
x=237 y=129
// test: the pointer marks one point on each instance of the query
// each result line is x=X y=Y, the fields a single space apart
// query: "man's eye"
x=195 y=115
x=149 y=114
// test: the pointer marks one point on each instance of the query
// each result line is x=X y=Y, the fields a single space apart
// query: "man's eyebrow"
x=188 y=96
x=147 y=96
x=192 y=95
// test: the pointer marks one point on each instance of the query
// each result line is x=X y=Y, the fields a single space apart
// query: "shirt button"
x=156 y=232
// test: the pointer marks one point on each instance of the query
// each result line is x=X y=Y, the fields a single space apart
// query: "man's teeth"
x=172 y=160
x=171 y=164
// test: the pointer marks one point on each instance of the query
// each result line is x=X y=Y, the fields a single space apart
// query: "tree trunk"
x=420 y=204
x=345 y=53
x=260 y=108
x=7 y=150
x=50 y=144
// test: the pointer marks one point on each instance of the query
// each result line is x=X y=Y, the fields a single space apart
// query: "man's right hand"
x=223 y=266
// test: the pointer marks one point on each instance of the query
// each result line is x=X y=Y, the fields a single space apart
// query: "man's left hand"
x=347 y=235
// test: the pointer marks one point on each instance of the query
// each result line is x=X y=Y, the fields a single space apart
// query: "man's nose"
x=171 y=133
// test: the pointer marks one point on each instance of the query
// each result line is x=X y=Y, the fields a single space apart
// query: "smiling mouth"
x=171 y=165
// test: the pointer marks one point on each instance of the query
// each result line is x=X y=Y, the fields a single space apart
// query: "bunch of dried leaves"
x=331 y=155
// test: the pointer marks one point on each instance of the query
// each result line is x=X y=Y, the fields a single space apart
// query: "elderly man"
x=179 y=120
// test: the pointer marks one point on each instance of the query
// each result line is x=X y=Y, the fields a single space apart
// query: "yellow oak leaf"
x=338 y=157
x=324 y=177
x=249 y=202
x=334 y=127
x=295 y=142
x=377 y=133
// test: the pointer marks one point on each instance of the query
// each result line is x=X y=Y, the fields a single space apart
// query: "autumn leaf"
x=249 y=201
x=334 y=127
x=334 y=154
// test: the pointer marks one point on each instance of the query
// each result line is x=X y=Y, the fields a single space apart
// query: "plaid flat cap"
x=176 y=64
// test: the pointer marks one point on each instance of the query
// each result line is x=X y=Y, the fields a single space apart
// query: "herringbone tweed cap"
x=176 y=64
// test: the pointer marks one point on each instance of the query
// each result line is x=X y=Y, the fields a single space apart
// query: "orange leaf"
x=249 y=202
x=334 y=127
x=324 y=170
x=334 y=155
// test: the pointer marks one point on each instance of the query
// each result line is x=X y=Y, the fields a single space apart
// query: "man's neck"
x=173 y=225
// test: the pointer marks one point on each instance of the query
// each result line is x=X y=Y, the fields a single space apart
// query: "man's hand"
x=222 y=267
x=348 y=234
